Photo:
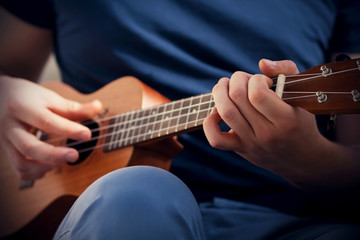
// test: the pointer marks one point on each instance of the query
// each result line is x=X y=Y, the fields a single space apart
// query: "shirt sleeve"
x=37 y=12
x=346 y=36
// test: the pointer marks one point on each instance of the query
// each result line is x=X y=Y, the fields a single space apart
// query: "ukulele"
x=138 y=127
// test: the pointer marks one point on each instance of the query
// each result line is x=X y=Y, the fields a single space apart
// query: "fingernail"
x=269 y=62
x=71 y=157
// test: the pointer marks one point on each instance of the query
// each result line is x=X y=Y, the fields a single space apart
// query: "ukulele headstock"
x=332 y=88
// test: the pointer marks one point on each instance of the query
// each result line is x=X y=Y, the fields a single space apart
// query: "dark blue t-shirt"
x=181 y=48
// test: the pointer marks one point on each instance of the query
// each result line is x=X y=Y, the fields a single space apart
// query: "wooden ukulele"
x=137 y=127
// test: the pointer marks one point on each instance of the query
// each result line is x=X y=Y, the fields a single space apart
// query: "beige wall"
x=51 y=71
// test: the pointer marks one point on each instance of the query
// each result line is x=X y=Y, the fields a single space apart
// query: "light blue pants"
x=150 y=203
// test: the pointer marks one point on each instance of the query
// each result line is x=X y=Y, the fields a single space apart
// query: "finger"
x=32 y=148
x=274 y=68
x=50 y=122
x=228 y=111
x=238 y=91
x=26 y=169
x=73 y=110
x=267 y=102
x=217 y=138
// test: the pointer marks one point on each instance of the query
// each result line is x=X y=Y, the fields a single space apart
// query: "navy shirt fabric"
x=181 y=48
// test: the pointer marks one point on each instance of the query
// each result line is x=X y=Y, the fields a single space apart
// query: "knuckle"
x=257 y=96
x=28 y=148
x=73 y=106
x=289 y=127
x=12 y=106
x=45 y=122
x=215 y=143
x=237 y=74
x=268 y=137
x=237 y=94
x=216 y=87
x=257 y=93
x=229 y=114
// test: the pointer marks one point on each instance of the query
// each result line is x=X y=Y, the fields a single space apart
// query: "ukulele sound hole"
x=85 y=148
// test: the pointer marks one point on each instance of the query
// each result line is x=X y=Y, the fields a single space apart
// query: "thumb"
x=274 y=68
x=74 y=110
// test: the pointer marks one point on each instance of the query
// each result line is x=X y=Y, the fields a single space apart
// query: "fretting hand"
x=274 y=135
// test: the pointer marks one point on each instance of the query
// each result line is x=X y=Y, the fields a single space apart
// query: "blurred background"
x=51 y=71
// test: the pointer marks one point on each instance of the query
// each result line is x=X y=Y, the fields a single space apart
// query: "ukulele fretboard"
x=158 y=121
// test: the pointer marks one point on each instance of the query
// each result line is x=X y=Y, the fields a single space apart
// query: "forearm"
x=331 y=167
x=334 y=178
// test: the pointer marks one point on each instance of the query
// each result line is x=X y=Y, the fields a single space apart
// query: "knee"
x=140 y=184
x=125 y=200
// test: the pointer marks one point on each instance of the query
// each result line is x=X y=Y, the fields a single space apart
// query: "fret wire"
x=168 y=113
x=198 y=111
x=148 y=124
x=183 y=112
x=113 y=135
x=178 y=118
x=119 y=129
x=170 y=117
x=189 y=110
x=143 y=123
x=161 y=121
x=138 y=124
x=155 y=117
x=151 y=122
x=133 y=127
x=210 y=104
x=126 y=128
